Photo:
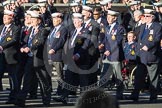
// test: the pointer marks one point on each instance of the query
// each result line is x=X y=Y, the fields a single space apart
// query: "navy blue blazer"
x=129 y=51
x=81 y=46
x=10 y=44
x=93 y=51
x=151 y=41
x=58 y=43
x=38 y=45
x=113 y=42
x=101 y=35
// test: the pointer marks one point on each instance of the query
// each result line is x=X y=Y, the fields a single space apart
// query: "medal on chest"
x=150 y=38
x=113 y=37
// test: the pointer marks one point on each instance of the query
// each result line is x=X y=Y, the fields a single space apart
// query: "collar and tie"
x=4 y=30
x=3 y=33
x=52 y=35
x=145 y=32
x=73 y=37
x=31 y=38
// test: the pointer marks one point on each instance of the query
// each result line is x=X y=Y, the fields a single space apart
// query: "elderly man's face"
x=96 y=15
x=137 y=17
x=148 y=18
x=56 y=21
x=35 y=22
x=27 y=19
x=86 y=14
x=111 y=19
x=7 y=19
x=77 y=22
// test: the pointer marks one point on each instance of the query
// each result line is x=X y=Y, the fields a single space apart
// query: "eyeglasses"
x=96 y=14
x=147 y=16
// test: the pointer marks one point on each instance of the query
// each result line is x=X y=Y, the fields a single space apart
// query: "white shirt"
x=99 y=20
x=112 y=26
x=7 y=26
x=86 y=23
x=4 y=31
x=78 y=30
x=148 y=25
x=57 y=28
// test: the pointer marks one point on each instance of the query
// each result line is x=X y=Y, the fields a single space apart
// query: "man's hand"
x=1 y=49
x=51 y=52
x=101 y=46
x=26 y=50
x=21 y=50
x=76 y=57
x=145 y=48
x=107 y=53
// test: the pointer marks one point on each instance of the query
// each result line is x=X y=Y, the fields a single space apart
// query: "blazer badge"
x=79 y=41
x=150 y=37
x=133 y=52
x=8 y=39
x=102 y=30
x=113 y=37
x=58 y=34
x=36 y=41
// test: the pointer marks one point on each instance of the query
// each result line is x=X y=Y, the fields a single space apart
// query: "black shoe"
x=119 y=98
x=46 y=104
x=60 y=99
x=10 y=101
x=20 y=103
x=32 y=97
x=153 y=100
x=73 y=93
x=134 y=98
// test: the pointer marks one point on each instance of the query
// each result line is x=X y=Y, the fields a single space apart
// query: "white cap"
x=77 y=1
x=148 y=11
x=57 y=14
x=42 y=1
x=6 y=3
x=74 y=4
x=28 y=12
x=35 y=15
x=87 y=8
x=159 y=4
x=113 y=13
x=77 y=15
x=8 y=12
x=12 y=1
x=42 y=4
x=108 y=1
x=134 y=3
x=104 y=2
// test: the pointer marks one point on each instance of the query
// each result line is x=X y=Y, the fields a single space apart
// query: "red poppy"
x=26 y=32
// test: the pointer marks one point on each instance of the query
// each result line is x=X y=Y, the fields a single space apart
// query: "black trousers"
x=140 y=75
x=2 y=70
x=24 y=70
x=28 y=79
x=12 y=73
x=45 y=83
x=73 y=80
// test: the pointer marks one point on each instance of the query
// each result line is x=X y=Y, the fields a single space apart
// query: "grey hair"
x=138 y=12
